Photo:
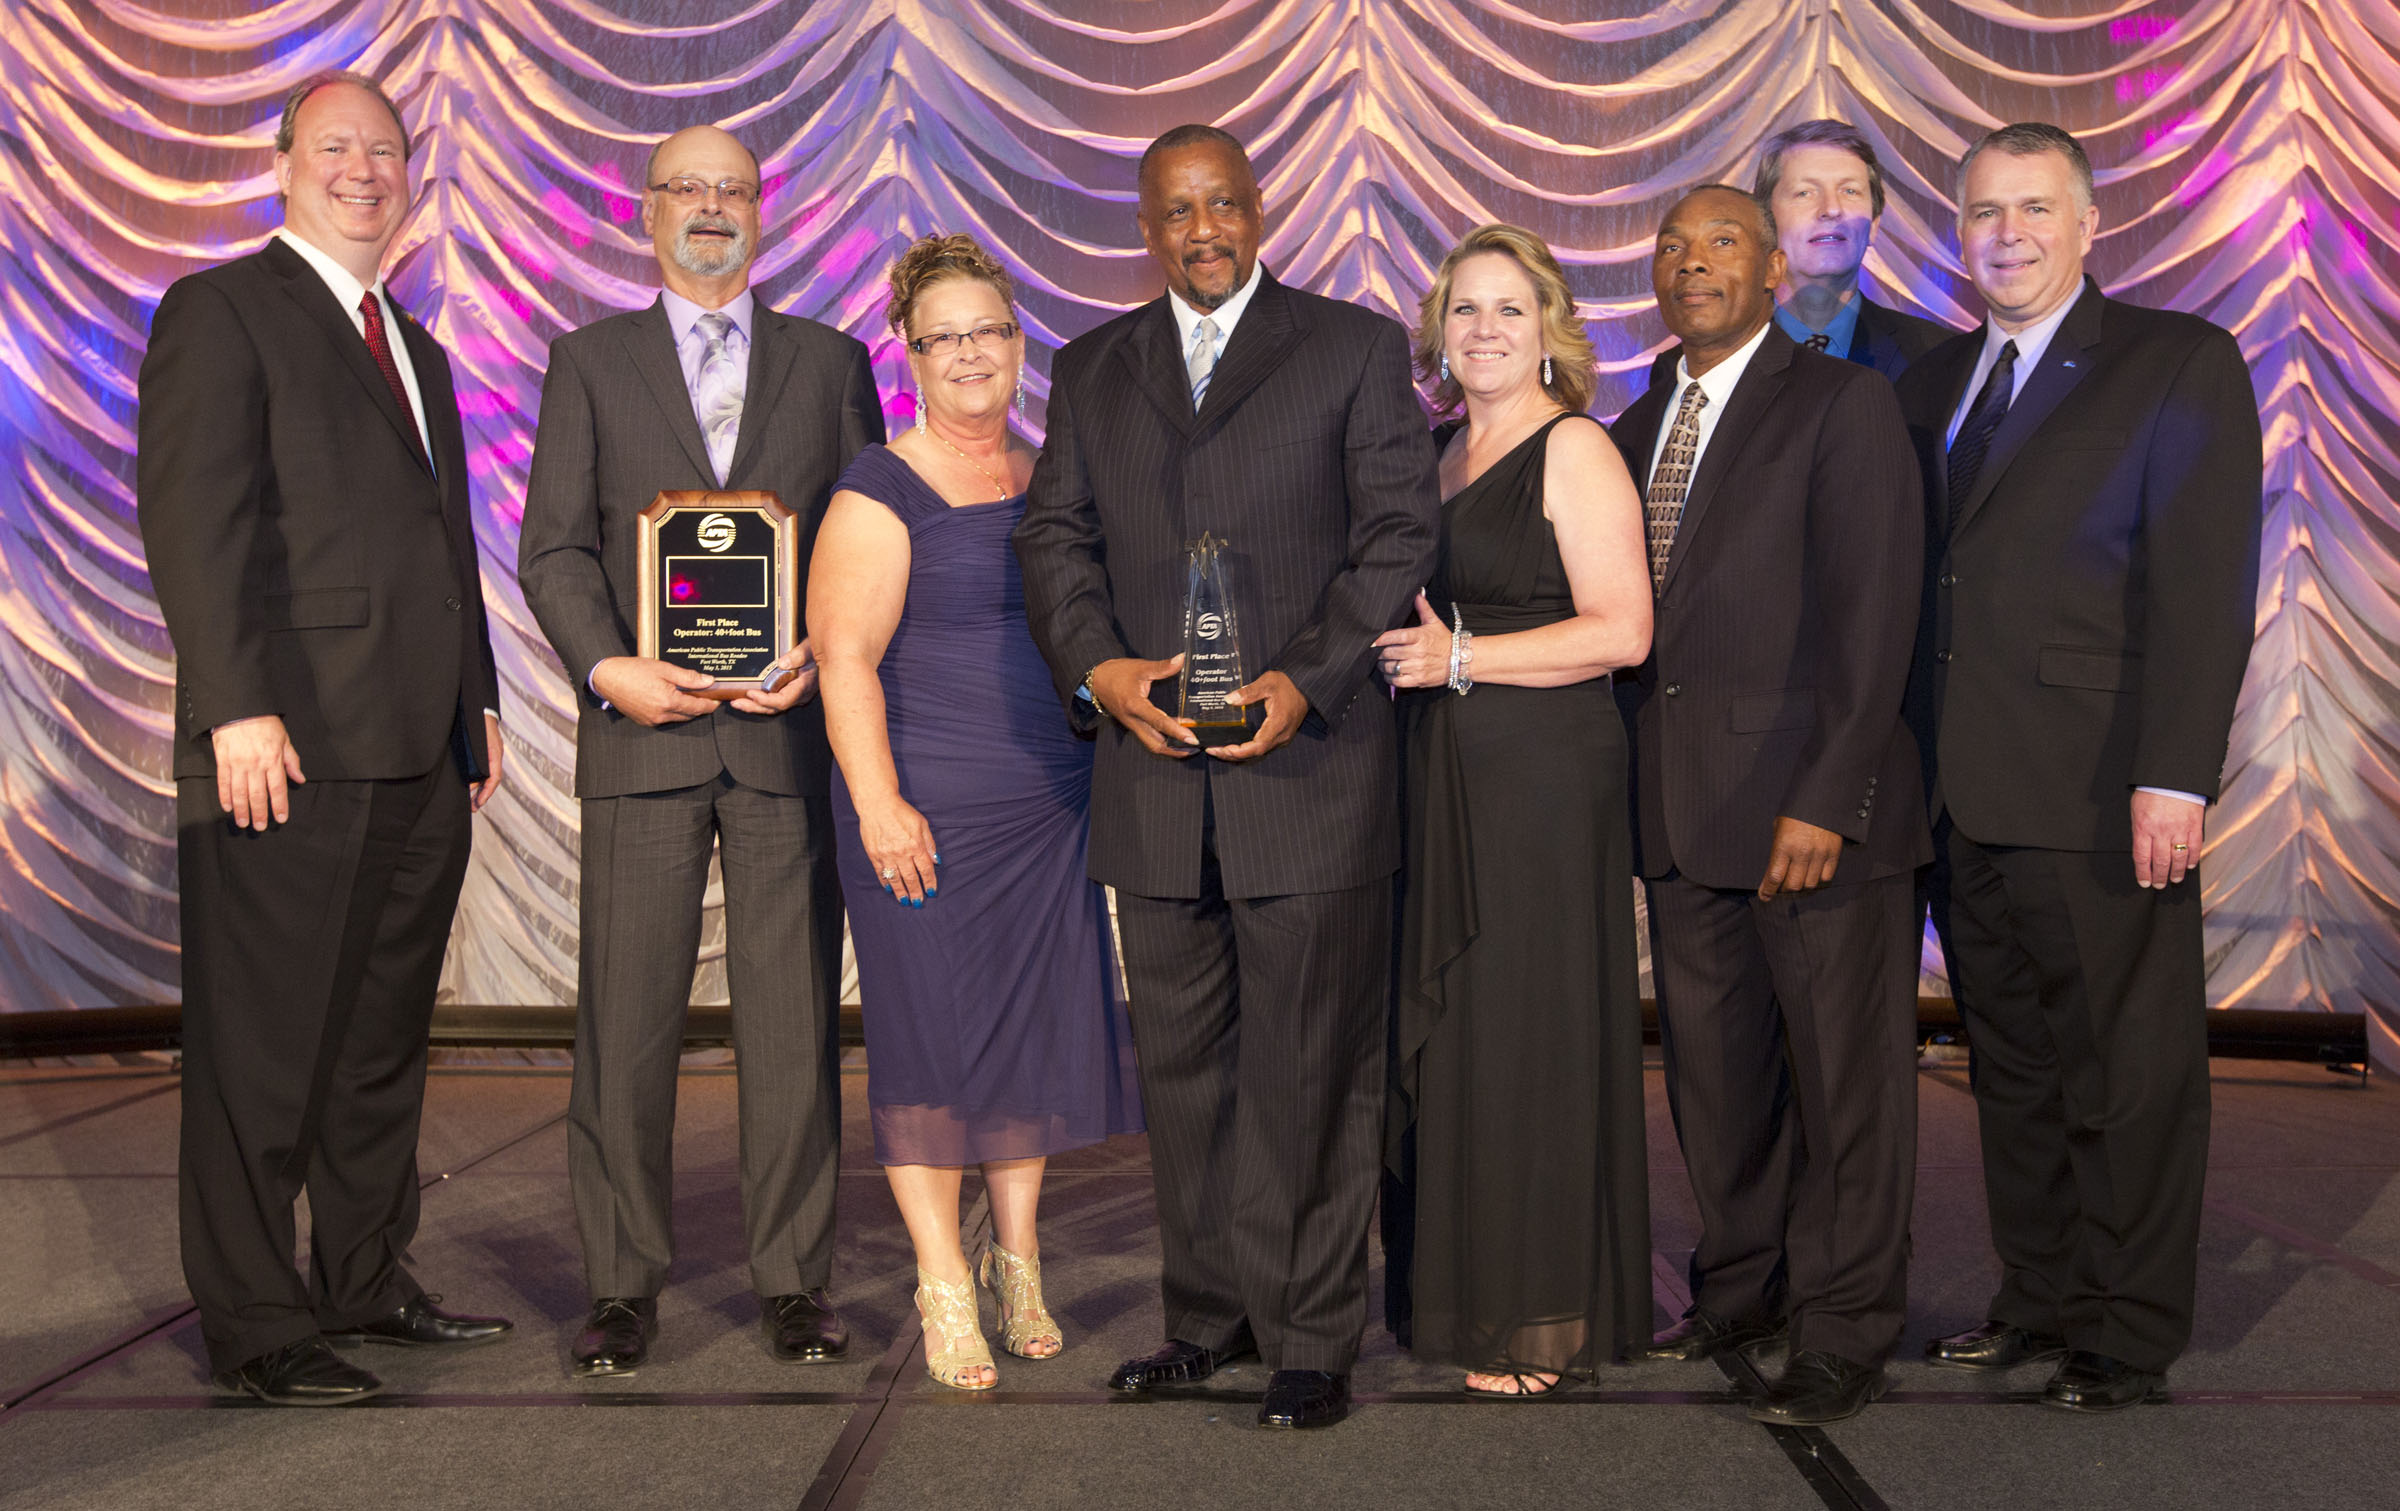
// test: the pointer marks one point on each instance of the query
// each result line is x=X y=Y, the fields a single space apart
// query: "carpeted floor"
x=2291 y=1394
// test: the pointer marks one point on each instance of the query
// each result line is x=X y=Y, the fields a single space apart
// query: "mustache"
x=709 y=223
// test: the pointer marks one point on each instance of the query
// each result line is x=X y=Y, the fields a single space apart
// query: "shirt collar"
x=1719 y=381
x=681 y=312
x=2031 y=341
x=344 y=284
x=1840 y=333
x=1187 y=319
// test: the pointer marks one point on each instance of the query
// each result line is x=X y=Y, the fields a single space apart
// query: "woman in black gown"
x=1516 y=1209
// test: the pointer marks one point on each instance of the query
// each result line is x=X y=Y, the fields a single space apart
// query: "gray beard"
x=710 y=259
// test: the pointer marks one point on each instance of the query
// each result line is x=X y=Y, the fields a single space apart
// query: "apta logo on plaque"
x=716 y=533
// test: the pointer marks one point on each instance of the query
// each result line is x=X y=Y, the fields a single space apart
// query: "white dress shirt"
x=1227 y=316
x=1718 y=383
x=348 y=291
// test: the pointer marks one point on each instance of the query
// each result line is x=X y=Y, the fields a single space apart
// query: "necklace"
x=970 y=461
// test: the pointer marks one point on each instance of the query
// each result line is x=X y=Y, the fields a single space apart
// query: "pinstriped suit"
x=1255 y=899
x=617 y=428
x=1773 y=688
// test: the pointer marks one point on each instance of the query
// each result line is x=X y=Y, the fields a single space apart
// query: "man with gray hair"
x=2092 y=477
x=1825 y=186
x=302 y=489
x=704 y=388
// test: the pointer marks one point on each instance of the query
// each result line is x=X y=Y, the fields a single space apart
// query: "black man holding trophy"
x=1239 y=451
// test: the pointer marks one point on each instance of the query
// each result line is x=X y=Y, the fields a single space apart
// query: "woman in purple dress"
x=996 y=1036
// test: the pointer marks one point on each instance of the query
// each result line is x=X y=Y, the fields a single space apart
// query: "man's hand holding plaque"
x=650 y=692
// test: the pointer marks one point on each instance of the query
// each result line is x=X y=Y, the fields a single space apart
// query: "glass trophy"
x=1212 y=651
x=720 y=572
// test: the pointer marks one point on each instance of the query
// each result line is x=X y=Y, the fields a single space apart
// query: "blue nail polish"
x=931 y=894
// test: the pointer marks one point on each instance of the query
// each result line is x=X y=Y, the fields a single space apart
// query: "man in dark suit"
x=1254 y=882
x=2092 y=474
x=705 y=388
x=1777 y=824
x=1825 y=187
x=302 y=488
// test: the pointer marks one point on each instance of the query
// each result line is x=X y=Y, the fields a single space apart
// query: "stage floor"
x=2291 y=1393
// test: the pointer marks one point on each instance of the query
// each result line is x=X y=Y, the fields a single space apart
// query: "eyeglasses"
x=690 y=191
x=986 y=338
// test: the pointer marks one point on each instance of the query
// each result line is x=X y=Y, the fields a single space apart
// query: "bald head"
x=662 y=155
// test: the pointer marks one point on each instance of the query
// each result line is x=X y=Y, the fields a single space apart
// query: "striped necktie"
x=1202 y=363
x=1671 y=482
x=717 y=391
x=1974 y=439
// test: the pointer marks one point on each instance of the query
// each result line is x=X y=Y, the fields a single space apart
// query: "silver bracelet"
x=1462 y=654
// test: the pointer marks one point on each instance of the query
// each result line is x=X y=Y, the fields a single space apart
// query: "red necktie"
x=380 y=345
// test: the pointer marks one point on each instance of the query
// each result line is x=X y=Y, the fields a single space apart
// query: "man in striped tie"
x=302 y=487
x=704 y=388
x=1777 y=826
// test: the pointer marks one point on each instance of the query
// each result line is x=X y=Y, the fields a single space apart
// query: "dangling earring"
x=1545 y=370
x=1020 y=396
x=1445 y=367
x=920 y=406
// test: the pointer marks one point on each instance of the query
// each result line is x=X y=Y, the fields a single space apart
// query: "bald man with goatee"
x=704 y=388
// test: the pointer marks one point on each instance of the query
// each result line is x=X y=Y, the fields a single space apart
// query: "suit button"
x=1674 y=689
x=451 y=604
x=1871 y=784
x=1948 y=579
x=1942 y=656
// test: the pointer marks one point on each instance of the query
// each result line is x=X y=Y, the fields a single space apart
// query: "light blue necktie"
x=1201 y=365
x=717 y=392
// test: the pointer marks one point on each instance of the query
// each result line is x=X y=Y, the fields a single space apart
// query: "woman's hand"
x=1419 y=655
x=899 y=845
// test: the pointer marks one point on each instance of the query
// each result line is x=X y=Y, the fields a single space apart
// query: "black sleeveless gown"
x=1516 y=1212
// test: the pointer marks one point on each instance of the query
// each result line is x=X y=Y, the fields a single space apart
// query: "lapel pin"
x=2066 y=364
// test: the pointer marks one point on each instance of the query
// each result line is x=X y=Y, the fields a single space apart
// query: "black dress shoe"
x=1304 y=1398
x=1995 y=1345
x=616 y=1336
x=306 y=1373
x=1701 y=1336
x=2096 y=1382
x=1816 y=1388
x=1178 y=1363
x=803 y=1328
x=422 y=1324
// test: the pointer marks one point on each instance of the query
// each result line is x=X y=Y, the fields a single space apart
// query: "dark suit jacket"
x=616 y=431
x=1310 y=457
x=1888 y=340
x=2087 y=629
x=309 y=563
x=1782 y=633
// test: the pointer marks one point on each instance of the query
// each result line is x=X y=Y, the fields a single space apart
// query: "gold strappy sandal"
x=1024 y=1322
x=954 y=1343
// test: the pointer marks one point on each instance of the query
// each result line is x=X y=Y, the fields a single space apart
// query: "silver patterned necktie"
x=1818 y=341
x=1203 y=360
x=1671 y=482
x=717 y=392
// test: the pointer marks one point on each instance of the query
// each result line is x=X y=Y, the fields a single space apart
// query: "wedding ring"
x=2181 y=847
x=891 y=871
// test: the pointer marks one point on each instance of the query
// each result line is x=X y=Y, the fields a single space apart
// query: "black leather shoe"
x=306 y=1373
x=1304 y=1398
x=2096 y=1382
x=422 y=1324
x=1178 y=1363
x=803 y=1328
x=1700 y=1336
x=616 y=1337
x=1995 y=1345
x=1816 y=1388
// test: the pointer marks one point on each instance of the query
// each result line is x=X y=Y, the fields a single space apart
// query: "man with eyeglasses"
x=704 y=388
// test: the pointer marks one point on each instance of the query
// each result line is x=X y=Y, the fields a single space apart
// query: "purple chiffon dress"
x=995 y=1029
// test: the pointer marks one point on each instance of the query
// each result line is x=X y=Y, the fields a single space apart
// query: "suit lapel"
x=771 y=358
x=2064 y=362
x=1761 y=381
x=1873 y=343
x=650 y=346
x=1269 y=329
x=306 y=289
x=1153 y=358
